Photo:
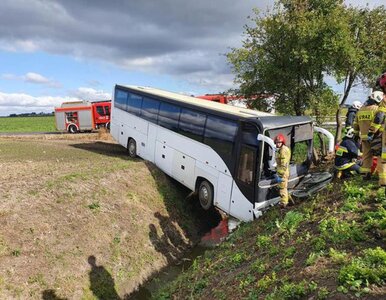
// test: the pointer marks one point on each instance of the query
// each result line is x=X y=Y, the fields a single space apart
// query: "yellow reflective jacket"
x=379 y=118
x=283 y=157
x=363 y=120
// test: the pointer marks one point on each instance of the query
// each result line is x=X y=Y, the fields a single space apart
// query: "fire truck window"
x=71 y=117
x=107 y=110
x=246 y=165
x=100 y=110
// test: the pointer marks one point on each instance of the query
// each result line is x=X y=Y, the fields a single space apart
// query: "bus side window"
x=246 y=165
x=169 y=115
x=134 y=104
x=107 y=110
x=150 y=109
x=192 y=124
x=121 y=98
x=220 y=134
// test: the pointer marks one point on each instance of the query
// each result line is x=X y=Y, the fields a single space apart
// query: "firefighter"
x=346 y=156
x=381 y=82
x=363 y=120
x=376 y=125
x=283 y=157
x=351 y=113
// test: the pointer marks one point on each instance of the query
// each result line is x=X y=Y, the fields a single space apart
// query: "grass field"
x=331 y=246
x=81 y=220
x=28 y=124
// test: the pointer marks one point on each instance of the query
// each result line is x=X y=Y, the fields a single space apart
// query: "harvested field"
x=80 y=220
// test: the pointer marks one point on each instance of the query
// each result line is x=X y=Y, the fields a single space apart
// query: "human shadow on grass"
x=108 y=149
x=51 y=295
x=102 y=283
x=185 y=221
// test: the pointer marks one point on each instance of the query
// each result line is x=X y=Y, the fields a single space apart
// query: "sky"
x=62 y=50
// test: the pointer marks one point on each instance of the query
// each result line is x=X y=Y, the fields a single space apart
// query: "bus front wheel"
x=205 y=195
x=132 y=148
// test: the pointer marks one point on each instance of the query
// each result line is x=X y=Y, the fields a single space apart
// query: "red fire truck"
x=82 y=116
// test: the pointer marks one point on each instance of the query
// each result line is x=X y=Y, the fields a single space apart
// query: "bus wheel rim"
x=132 y=148
x=204 y=193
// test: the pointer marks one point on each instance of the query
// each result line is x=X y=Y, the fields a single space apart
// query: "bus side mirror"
x=271 y=143
x=330 y=137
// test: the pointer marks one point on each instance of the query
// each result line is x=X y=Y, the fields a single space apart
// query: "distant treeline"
x=32 y=114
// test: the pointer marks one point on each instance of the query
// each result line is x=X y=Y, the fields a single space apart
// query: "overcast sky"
x=61 y=50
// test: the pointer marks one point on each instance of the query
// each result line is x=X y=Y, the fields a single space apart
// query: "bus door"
x=247 y=160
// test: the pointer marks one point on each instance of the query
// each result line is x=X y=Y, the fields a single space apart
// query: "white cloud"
x=33 y=78
x=36 y=78
x=21 y=99
x=85 y=93
x=24 y=103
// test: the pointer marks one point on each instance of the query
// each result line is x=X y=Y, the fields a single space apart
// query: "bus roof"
x=242 y=112
x=267 y=120
x=283 y=121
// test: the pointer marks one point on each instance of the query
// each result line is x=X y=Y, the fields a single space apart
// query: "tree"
x=367 y=58
x=289 y=51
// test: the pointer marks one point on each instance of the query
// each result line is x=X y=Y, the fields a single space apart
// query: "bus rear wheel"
x=205 y=195
x=72 y=129
x=132 y=148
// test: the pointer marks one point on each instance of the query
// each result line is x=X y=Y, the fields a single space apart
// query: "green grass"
x=27 y=124
x=321 y=247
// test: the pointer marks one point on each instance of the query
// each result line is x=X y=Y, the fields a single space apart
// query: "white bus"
x=224 y=153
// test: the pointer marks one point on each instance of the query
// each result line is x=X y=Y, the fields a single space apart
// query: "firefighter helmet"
x=280 y=139
x=377 y=96
x=357 y=104
x=350 y=133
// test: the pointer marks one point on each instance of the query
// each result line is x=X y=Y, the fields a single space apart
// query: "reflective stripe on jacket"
x=345 y=153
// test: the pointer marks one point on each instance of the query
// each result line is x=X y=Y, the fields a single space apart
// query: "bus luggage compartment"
x=311 y=183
